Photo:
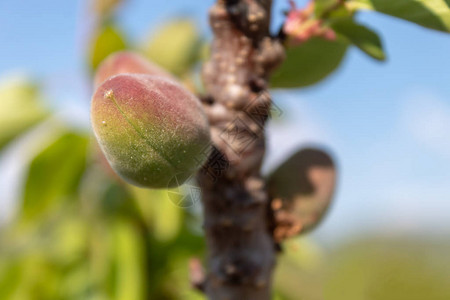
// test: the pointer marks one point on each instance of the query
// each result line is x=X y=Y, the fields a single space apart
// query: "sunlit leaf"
x=108 y=40
x=130 y=262
x=11 y=273
x=33 y=279
x=159 y=211
x=325 y=7
x=76 y=283
x=309 y=63
x=21 y=107
x=54 y=174
x=61 y=238
x=361 y=36
x=175 y=46
x=433 y=14
x=68 y=240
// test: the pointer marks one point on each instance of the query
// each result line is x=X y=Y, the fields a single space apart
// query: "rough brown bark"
x=236 y=209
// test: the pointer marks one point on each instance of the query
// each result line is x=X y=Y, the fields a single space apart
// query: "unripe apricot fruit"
x=150 y=129
x=124 y=62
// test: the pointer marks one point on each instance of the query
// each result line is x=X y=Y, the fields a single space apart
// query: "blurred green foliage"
x=108 y=39
x=54 y=175
x=392 y=268
x=178 y=53
x=309 y=63
x=82 y=234
x=21 y=107
x=433 y=14
x=360 y=36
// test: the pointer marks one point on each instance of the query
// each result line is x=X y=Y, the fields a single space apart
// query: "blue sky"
x=388 y=124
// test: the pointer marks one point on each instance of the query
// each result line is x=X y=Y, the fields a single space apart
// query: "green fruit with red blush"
x=127 y=62
x=150 y=128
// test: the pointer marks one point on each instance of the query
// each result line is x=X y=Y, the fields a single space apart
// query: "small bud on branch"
x=302 y=24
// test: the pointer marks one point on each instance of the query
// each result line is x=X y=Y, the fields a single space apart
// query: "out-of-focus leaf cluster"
x=176 y=45
x=20 y=108
x=80 y=233
x=312 y=61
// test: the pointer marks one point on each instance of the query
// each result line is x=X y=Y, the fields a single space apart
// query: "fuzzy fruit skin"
x=150 y=129
x=125 y=62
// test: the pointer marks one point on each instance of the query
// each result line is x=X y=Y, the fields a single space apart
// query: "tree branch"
x=236 y=209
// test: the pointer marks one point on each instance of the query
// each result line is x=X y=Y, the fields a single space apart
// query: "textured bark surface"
x=236 y=205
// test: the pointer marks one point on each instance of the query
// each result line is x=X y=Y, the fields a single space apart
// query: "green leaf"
x=54 y=174
x=362 y=37
x=11 y=273
x=21 y=107
x=331 y=9
x=68 y=239
x=309 y=63
x=130 y=262
x=433 y=14
x=176 y=46
x=322 y=7
x=107 y=41
x=159 y=211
